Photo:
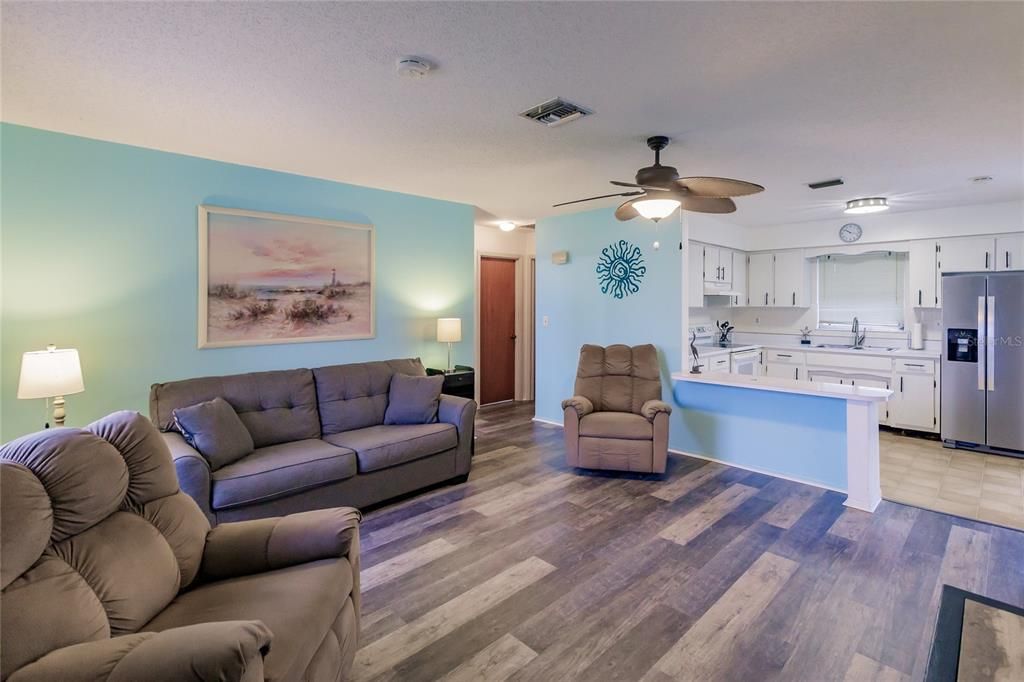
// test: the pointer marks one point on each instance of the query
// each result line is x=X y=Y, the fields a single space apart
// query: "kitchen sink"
x=850 y=346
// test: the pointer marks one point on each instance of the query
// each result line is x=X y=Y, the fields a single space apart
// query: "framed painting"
x=267 y=278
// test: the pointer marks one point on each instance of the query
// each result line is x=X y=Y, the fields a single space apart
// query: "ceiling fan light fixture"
x=655 y=209
x=506 y=226
x=867 y=205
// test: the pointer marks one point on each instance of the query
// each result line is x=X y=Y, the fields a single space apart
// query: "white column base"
x=863 y=476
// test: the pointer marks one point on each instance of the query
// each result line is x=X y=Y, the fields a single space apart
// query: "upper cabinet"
x=695 y=275
x=1010 y=252
x=967 y=254
x=777 y=280
x=718 y=264
x=922 y=274
x=759 y=280
x=739 y=278
x=790 y=279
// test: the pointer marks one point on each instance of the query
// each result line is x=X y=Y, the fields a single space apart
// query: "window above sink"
x=869 y=287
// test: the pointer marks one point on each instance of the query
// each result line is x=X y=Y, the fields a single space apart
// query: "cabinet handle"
x=986 y=260
x=798 y=373
x=901 y=384
x=911 y=364
x=794 y=298
x=782 y=355
x=1007 y=260
x=919 y=295
x=766 y=298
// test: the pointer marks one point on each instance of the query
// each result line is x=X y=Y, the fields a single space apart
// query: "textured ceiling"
x=902 y=99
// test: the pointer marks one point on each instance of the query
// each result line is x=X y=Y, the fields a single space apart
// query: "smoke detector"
x=412 y=67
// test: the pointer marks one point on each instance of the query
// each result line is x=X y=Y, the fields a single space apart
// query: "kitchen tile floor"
x=922 y=473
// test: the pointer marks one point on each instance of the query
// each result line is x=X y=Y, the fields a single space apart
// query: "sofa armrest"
x=225 y=650
x=652 y=408
x=462 y=413
x=248 y=547
x=581 y=405
x=193 y=471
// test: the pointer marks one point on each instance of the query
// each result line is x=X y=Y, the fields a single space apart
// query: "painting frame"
x=206 y=211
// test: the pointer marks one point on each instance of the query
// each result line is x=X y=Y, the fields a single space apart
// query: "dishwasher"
x=745 y=362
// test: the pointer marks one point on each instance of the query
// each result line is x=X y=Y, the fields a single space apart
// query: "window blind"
x=867 y=286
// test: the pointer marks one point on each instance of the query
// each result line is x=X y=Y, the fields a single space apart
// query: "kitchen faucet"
x=858 y=337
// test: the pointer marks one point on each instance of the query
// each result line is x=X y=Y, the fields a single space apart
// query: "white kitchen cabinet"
x=789 y=279
x=922 y=274
x=717 y=264
x=785 y=365
x=717 y=364
x=759 y=280
x=1010 y=252
x=912 y=405
x=739 y=278
x=695 y=275
x=966 y=254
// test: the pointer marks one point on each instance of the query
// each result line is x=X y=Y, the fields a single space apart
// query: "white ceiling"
x=902 y=99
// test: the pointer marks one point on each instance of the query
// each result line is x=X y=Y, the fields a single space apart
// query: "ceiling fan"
x=660 y=191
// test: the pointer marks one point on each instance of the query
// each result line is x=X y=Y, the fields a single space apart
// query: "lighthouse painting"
x=266 y=278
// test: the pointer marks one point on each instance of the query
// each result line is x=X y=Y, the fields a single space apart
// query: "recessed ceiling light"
x=868 y=205
x=506 y=226
x=981 y=178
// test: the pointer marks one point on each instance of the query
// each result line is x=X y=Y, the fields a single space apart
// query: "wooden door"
x=497 y=330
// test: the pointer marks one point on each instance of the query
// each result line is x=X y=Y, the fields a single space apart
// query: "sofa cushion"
x=276 y=407
x=279 y=470
x=356 y=396
x=299 y=604
x=214 y=429
x=380 y=447
x=625 y=425
x=413 y=400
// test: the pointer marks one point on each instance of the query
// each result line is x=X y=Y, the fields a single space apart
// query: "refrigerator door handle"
x=981 y=343
x=990 y=340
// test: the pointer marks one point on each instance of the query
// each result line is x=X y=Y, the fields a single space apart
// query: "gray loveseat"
x=320 y=440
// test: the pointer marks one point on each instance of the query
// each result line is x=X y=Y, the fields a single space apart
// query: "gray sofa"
x=320 y=440
x=111 y=573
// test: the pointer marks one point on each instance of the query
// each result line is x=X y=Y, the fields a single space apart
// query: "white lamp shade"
x=655 y=209
x=449 y=329
x=49 y=373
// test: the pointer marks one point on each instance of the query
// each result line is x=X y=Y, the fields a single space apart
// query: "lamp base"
x=58 y=410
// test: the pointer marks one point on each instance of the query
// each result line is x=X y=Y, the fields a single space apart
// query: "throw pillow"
x=214 y=429
x=413 y=400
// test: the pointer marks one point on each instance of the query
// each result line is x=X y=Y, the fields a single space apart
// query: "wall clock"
x=850 y=232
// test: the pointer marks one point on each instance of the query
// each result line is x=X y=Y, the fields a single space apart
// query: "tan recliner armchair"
x=617 y=419
x=112 y=574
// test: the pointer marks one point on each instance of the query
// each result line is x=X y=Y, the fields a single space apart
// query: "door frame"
x=524 y=328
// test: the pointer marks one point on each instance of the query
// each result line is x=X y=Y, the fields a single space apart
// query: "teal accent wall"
x=99 y=248
x=801 y=437
x=570 y=296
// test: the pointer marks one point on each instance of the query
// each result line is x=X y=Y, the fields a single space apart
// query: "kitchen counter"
x=710 y=350
x=815 y=388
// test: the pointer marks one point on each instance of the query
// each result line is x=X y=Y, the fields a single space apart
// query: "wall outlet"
x=544 y=321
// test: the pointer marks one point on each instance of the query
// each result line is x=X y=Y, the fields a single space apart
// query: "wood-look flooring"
x=533 y=571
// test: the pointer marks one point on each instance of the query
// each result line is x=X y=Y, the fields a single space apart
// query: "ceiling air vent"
x=555 y=112
x=825 y=183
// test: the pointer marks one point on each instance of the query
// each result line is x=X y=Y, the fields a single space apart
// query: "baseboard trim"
x=758 y=470
x=541 y=420
x=755 y=470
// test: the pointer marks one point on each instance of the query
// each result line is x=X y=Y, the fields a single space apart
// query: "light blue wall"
x=99 y=253
x=579 y=313
x=802 y=437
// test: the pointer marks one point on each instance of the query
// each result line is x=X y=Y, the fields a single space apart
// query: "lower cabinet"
x=785 y=365
x=912 y=405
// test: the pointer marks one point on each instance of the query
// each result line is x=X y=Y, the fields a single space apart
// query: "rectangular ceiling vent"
x=825 y=183
x=555 y=112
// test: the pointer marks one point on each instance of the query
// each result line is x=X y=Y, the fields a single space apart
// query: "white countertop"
x=708 y=351
x=763 y=383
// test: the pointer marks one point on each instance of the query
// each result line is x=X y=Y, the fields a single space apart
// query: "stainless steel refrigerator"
x=983 y=362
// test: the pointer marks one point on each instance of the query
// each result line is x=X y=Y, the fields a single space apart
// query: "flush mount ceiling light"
x=868 y=205
x=655 y=209
x=506 y=226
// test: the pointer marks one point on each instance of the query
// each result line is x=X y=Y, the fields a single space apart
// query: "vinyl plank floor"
x=534 y=571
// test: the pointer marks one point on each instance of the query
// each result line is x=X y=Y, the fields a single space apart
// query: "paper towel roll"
x=917 y=336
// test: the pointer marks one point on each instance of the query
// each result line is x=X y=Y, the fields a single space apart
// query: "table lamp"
x=449 y=330
x=51 y=373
